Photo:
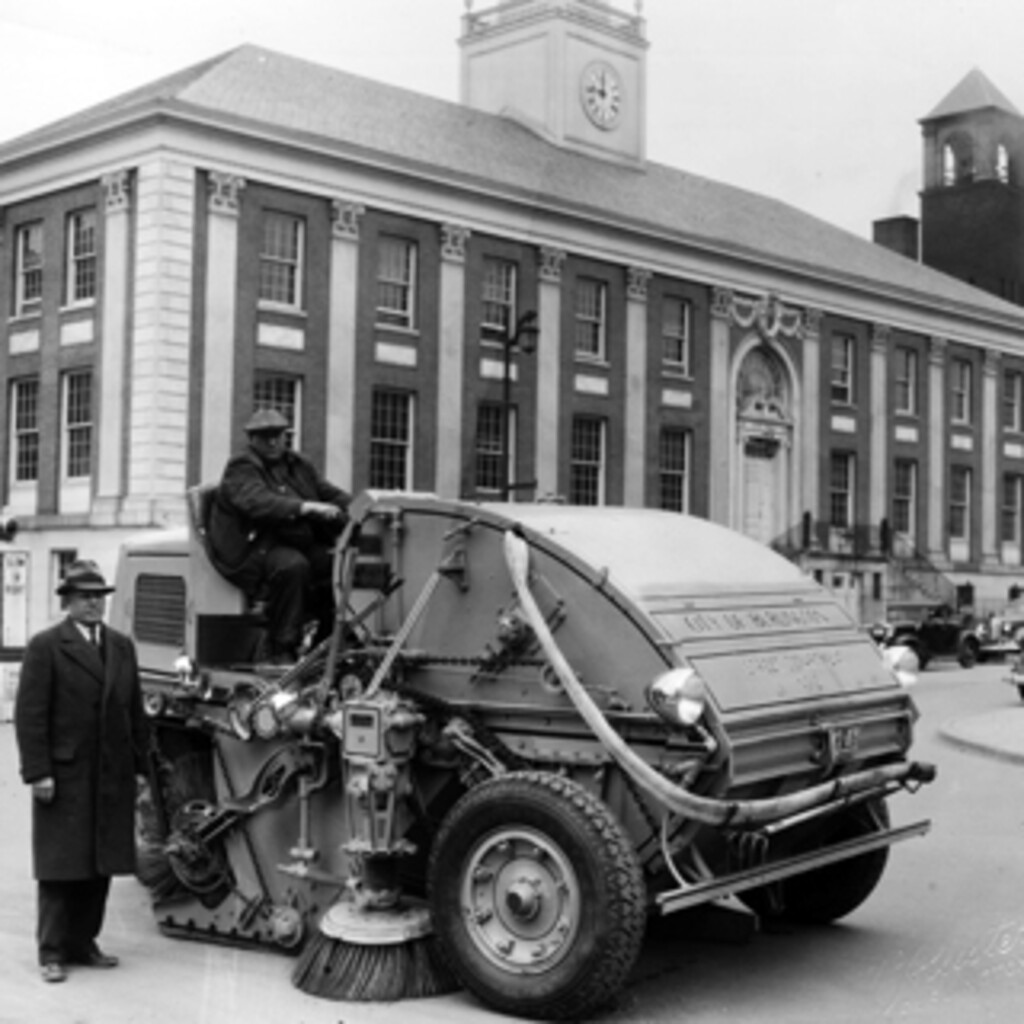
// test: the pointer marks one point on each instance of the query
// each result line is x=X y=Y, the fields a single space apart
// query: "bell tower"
x=972 y=210
x=574 y=71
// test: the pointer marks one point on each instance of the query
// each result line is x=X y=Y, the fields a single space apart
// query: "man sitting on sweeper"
x=273 y=522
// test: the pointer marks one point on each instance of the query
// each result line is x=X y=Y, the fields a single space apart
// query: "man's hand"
x=43 y=790
x=321 y=510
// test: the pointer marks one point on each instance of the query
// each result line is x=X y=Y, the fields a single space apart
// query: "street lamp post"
x=522 y=337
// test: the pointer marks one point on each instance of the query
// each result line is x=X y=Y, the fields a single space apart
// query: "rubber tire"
x=923 y=654
x=828 y=893
x=612 y=904
x=968 y=653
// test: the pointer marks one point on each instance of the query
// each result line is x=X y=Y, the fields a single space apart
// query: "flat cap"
x=266 y=421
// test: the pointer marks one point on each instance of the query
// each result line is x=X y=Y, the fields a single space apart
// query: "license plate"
x=843 y=742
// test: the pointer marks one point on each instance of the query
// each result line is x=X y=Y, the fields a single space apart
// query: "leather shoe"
x=97 y=958
x=53 y=971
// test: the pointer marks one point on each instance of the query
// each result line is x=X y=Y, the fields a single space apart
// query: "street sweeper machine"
x=534 y=728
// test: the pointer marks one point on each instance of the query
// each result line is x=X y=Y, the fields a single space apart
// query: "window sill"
x=592 y=362
x=281 y=309
x=82 y=306
x=18 y=319
x=405 y=332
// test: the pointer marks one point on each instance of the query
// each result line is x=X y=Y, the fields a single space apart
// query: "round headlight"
x=679 y=696
x=903 y=663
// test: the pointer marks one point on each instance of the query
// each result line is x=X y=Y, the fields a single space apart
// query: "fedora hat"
x=83 y=577
x=266 y=421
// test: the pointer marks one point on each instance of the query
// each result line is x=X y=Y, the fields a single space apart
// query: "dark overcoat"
x=78 y=719
x=257 y=506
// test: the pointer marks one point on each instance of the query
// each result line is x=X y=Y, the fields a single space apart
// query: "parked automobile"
x=939 y=630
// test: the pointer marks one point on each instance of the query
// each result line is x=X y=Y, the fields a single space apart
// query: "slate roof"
x=270 y=94
x=973 y=92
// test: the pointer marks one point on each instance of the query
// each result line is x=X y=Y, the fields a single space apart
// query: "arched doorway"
x=764 y=446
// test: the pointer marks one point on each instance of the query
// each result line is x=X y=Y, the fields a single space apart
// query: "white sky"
x=815 y=102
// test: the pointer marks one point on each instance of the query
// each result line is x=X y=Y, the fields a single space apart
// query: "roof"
x=973 y=92
x=272 y=95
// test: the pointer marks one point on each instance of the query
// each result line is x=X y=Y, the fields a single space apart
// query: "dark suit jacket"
x=78 y=719
x=257 y=506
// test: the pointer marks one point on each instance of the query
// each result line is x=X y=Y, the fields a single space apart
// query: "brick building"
x=258 y=230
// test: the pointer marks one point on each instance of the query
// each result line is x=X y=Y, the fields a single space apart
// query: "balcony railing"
x=911 y=575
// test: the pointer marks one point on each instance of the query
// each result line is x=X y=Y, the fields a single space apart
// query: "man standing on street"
x=82 y=741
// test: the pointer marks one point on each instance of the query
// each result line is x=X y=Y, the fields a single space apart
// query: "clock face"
x=601 y=93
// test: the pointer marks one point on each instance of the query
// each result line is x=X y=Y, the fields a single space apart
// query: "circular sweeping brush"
x=373 y=954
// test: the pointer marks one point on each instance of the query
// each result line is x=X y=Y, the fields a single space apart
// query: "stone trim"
x=225 y=191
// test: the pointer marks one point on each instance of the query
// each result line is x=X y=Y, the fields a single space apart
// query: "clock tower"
x=572 y=70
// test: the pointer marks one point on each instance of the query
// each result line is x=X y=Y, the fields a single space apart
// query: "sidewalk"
x=160 y=980
x=998 y=733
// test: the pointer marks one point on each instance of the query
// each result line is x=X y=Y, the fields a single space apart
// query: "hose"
x=707 y=810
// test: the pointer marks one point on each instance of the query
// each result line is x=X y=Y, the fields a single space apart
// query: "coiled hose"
x=707 y=810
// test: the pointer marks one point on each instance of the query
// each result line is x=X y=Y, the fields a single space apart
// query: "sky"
x=814 y=102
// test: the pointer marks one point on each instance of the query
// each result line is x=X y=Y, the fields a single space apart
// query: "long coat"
x=257 y=507
x=78 y=719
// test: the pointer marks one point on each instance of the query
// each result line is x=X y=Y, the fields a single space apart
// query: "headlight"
x=679 y=696
x=903 y=663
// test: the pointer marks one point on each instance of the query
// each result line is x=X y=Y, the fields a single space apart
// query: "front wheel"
x=537 y=896
x=835 y=890
x=968 y=653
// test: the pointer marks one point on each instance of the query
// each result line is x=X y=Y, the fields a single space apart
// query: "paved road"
x=942 y=940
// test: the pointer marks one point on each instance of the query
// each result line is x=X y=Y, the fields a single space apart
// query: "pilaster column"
x=990 y=546
x=634 y=471
x=720 y=410
x=936 y=490
x=549 y=354
x=879 y=437
x=219 y=324
x=341 y=352
x=810 y=415
x=115 y=305
x=450 y=360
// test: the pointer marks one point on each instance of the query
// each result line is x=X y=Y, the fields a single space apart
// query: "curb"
x=952 y=732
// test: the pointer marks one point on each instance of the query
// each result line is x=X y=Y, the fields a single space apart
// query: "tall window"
x=591 y=314
x=904 y=497
x=25 y=429
x=960 y=372
x=281 y=259
x=391 y=417
x=841 y=481
x=1013 y=390
x=905 y=374
x=80 y=244
x=960 y=502
x=77 y=426
x=28 y=284
x=674 y=469
x=499 y=298
x=283 y=393
x=396 y=282
x=842 y=369
x=675 y=335
x=1013 y=491
x=1002 y=163
x=587 y=461
x=491 y=455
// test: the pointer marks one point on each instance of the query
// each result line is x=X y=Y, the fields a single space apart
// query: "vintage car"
x=939 y=630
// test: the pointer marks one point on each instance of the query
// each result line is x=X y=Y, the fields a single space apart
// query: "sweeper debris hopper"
x=534 y=727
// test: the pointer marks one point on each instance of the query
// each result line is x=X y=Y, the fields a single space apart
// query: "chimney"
x=899 y=234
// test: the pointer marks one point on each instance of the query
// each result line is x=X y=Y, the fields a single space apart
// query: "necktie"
x=96 y=638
